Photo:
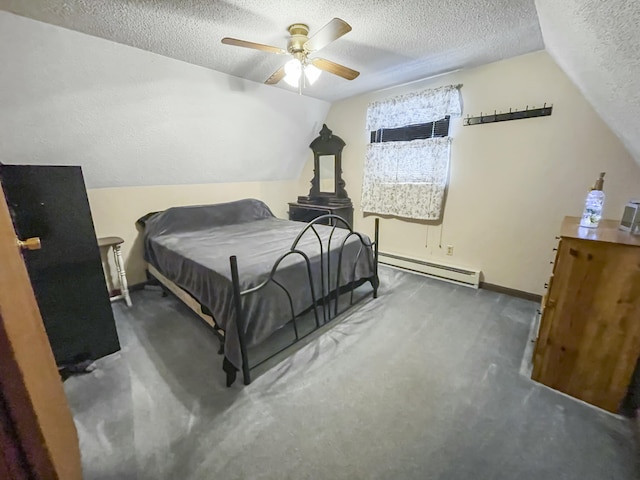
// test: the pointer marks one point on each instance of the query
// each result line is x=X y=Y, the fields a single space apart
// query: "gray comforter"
x=191 y=246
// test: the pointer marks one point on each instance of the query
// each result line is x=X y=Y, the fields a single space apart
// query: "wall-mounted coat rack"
x=510 y=115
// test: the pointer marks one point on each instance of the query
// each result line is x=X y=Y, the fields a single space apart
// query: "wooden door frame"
x=29 y=381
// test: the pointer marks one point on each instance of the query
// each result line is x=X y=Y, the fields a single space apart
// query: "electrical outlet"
x=449 y=249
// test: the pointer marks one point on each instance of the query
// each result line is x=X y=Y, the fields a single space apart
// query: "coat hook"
x=513 y=114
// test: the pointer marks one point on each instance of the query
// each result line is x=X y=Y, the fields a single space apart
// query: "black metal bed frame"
x=326 y=294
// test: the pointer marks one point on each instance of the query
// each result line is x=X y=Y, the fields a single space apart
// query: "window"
x=407 y=162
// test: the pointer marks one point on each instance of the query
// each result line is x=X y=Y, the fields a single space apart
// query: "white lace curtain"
x=408 y=179
x=414 y=108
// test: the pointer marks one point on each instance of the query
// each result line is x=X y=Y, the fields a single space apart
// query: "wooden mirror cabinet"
x=327 y=194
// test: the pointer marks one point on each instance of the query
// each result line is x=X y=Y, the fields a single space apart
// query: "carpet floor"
x=422 y=383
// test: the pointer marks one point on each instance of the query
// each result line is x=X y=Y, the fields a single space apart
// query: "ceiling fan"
x=300 y=46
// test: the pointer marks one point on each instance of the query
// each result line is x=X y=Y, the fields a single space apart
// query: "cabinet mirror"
x=327 y=185
x=327 y=165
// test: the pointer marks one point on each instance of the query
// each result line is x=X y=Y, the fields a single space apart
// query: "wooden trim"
x=184 y=297
x=534 y=297
x=29 y=380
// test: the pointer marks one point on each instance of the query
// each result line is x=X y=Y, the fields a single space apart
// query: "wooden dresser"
x=589 y=337
x=303 y=212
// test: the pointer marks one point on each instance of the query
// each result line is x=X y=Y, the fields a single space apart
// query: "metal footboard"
x=320 y=300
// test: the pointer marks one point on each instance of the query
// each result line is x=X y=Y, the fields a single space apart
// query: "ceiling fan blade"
x=327 y=34
x=255 y=46
x=335 y=68
x=275 y=76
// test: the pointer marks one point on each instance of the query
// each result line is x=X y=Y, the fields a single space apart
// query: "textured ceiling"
x=392 y=42
x=597 y=43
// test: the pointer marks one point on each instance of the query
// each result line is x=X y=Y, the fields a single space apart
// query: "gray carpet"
x=422 y=383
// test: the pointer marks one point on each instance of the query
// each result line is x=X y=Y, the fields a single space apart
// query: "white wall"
x=511 y=183
x=115 y=211
x=130 y=117
x=150 y=132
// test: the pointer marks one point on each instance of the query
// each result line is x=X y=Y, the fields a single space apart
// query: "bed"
x=249 y=273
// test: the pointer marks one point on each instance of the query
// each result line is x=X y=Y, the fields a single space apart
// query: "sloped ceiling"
x=392 y=42
x=597 y=43
x=131 y=117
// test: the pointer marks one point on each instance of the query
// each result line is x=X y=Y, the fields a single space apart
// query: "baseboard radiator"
x=441 y=271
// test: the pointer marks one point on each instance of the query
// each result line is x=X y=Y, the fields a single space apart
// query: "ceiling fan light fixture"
x=292 y=80
x=300 y=46
x=312 y=73
x=292 y=72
